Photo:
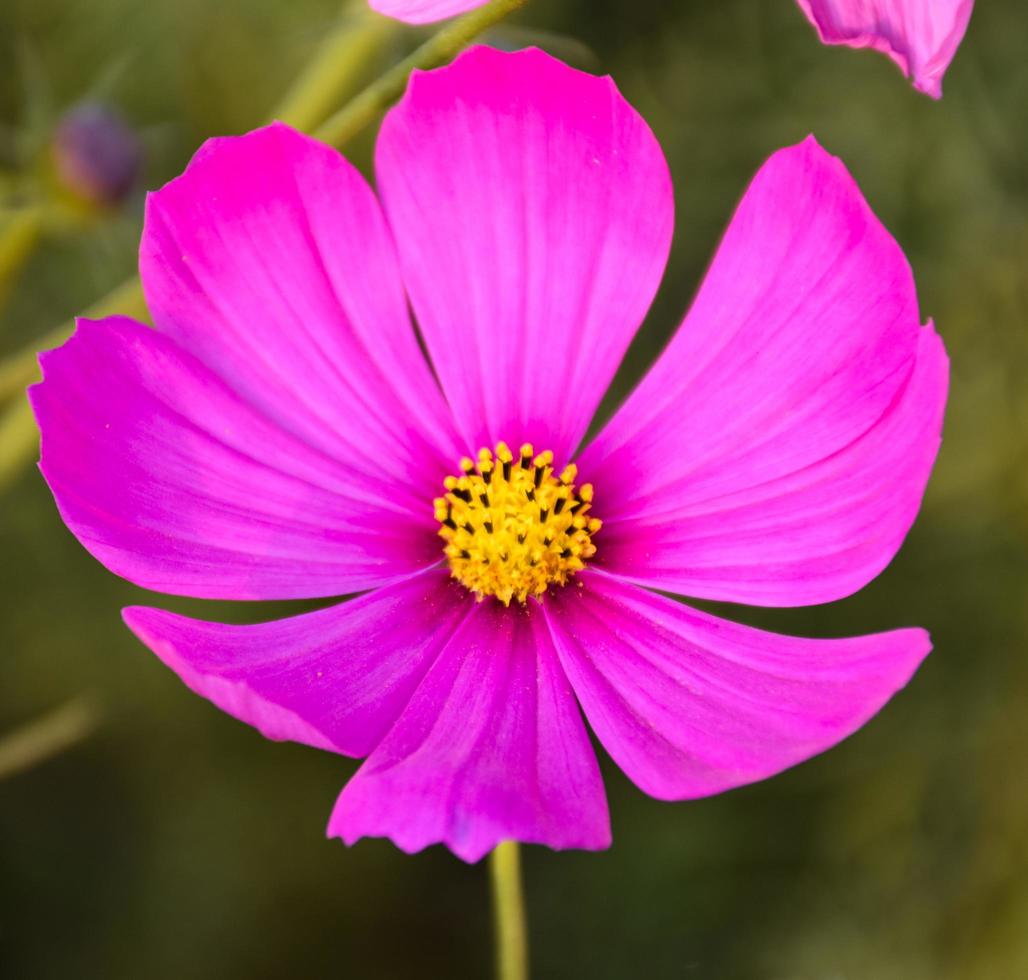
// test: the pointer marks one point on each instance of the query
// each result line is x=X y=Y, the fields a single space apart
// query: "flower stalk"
x=509 y=912
x=336 y=67
x=437 y=50
x=20 y=232
x=47 y=736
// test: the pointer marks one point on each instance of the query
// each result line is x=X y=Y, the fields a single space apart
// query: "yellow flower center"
x=512 y=527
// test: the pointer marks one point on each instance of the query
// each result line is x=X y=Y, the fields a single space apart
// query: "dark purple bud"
x=97 y=154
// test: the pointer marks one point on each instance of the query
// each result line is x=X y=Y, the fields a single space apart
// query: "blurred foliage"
x=176 y=842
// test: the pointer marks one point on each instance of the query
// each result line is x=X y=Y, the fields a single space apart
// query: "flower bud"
x=97 y=154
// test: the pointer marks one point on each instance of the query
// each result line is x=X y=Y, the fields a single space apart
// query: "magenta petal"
x=689 y=705
x=533 y=211
x=817 y=534
x=778 y=451
x=921 y=36
x=172 y=481
x=269 y=259
x=490 y=748
x=424 y=11
x=336 y=679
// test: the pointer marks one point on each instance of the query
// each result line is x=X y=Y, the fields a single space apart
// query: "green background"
x=177 y=843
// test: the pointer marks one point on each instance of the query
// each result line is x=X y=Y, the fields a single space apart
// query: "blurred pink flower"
x=280 y=435
x=921 y=36
x=424 y=11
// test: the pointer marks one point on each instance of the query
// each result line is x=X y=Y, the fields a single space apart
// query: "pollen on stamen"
x=513 y=526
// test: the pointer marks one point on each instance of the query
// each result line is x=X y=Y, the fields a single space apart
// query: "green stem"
x=509 y=913
x=19 y=235
x=437 y=50
x=333 y=71
x=47 y=736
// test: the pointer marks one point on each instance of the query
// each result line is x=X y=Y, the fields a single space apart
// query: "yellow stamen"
x=512 y=527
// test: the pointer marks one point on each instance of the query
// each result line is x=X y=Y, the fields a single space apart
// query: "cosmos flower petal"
x=424 y=11
x=778 y=451
x=533 y=211
x=336 y=679
x=816 y=534
x=921 y=36
x=689 y=705
x=491 y=747
x=269 y=259
x=172 y=481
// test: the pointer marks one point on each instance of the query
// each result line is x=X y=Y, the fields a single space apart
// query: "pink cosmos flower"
x=921 y=36
x=280 y=435
x=424 y=11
